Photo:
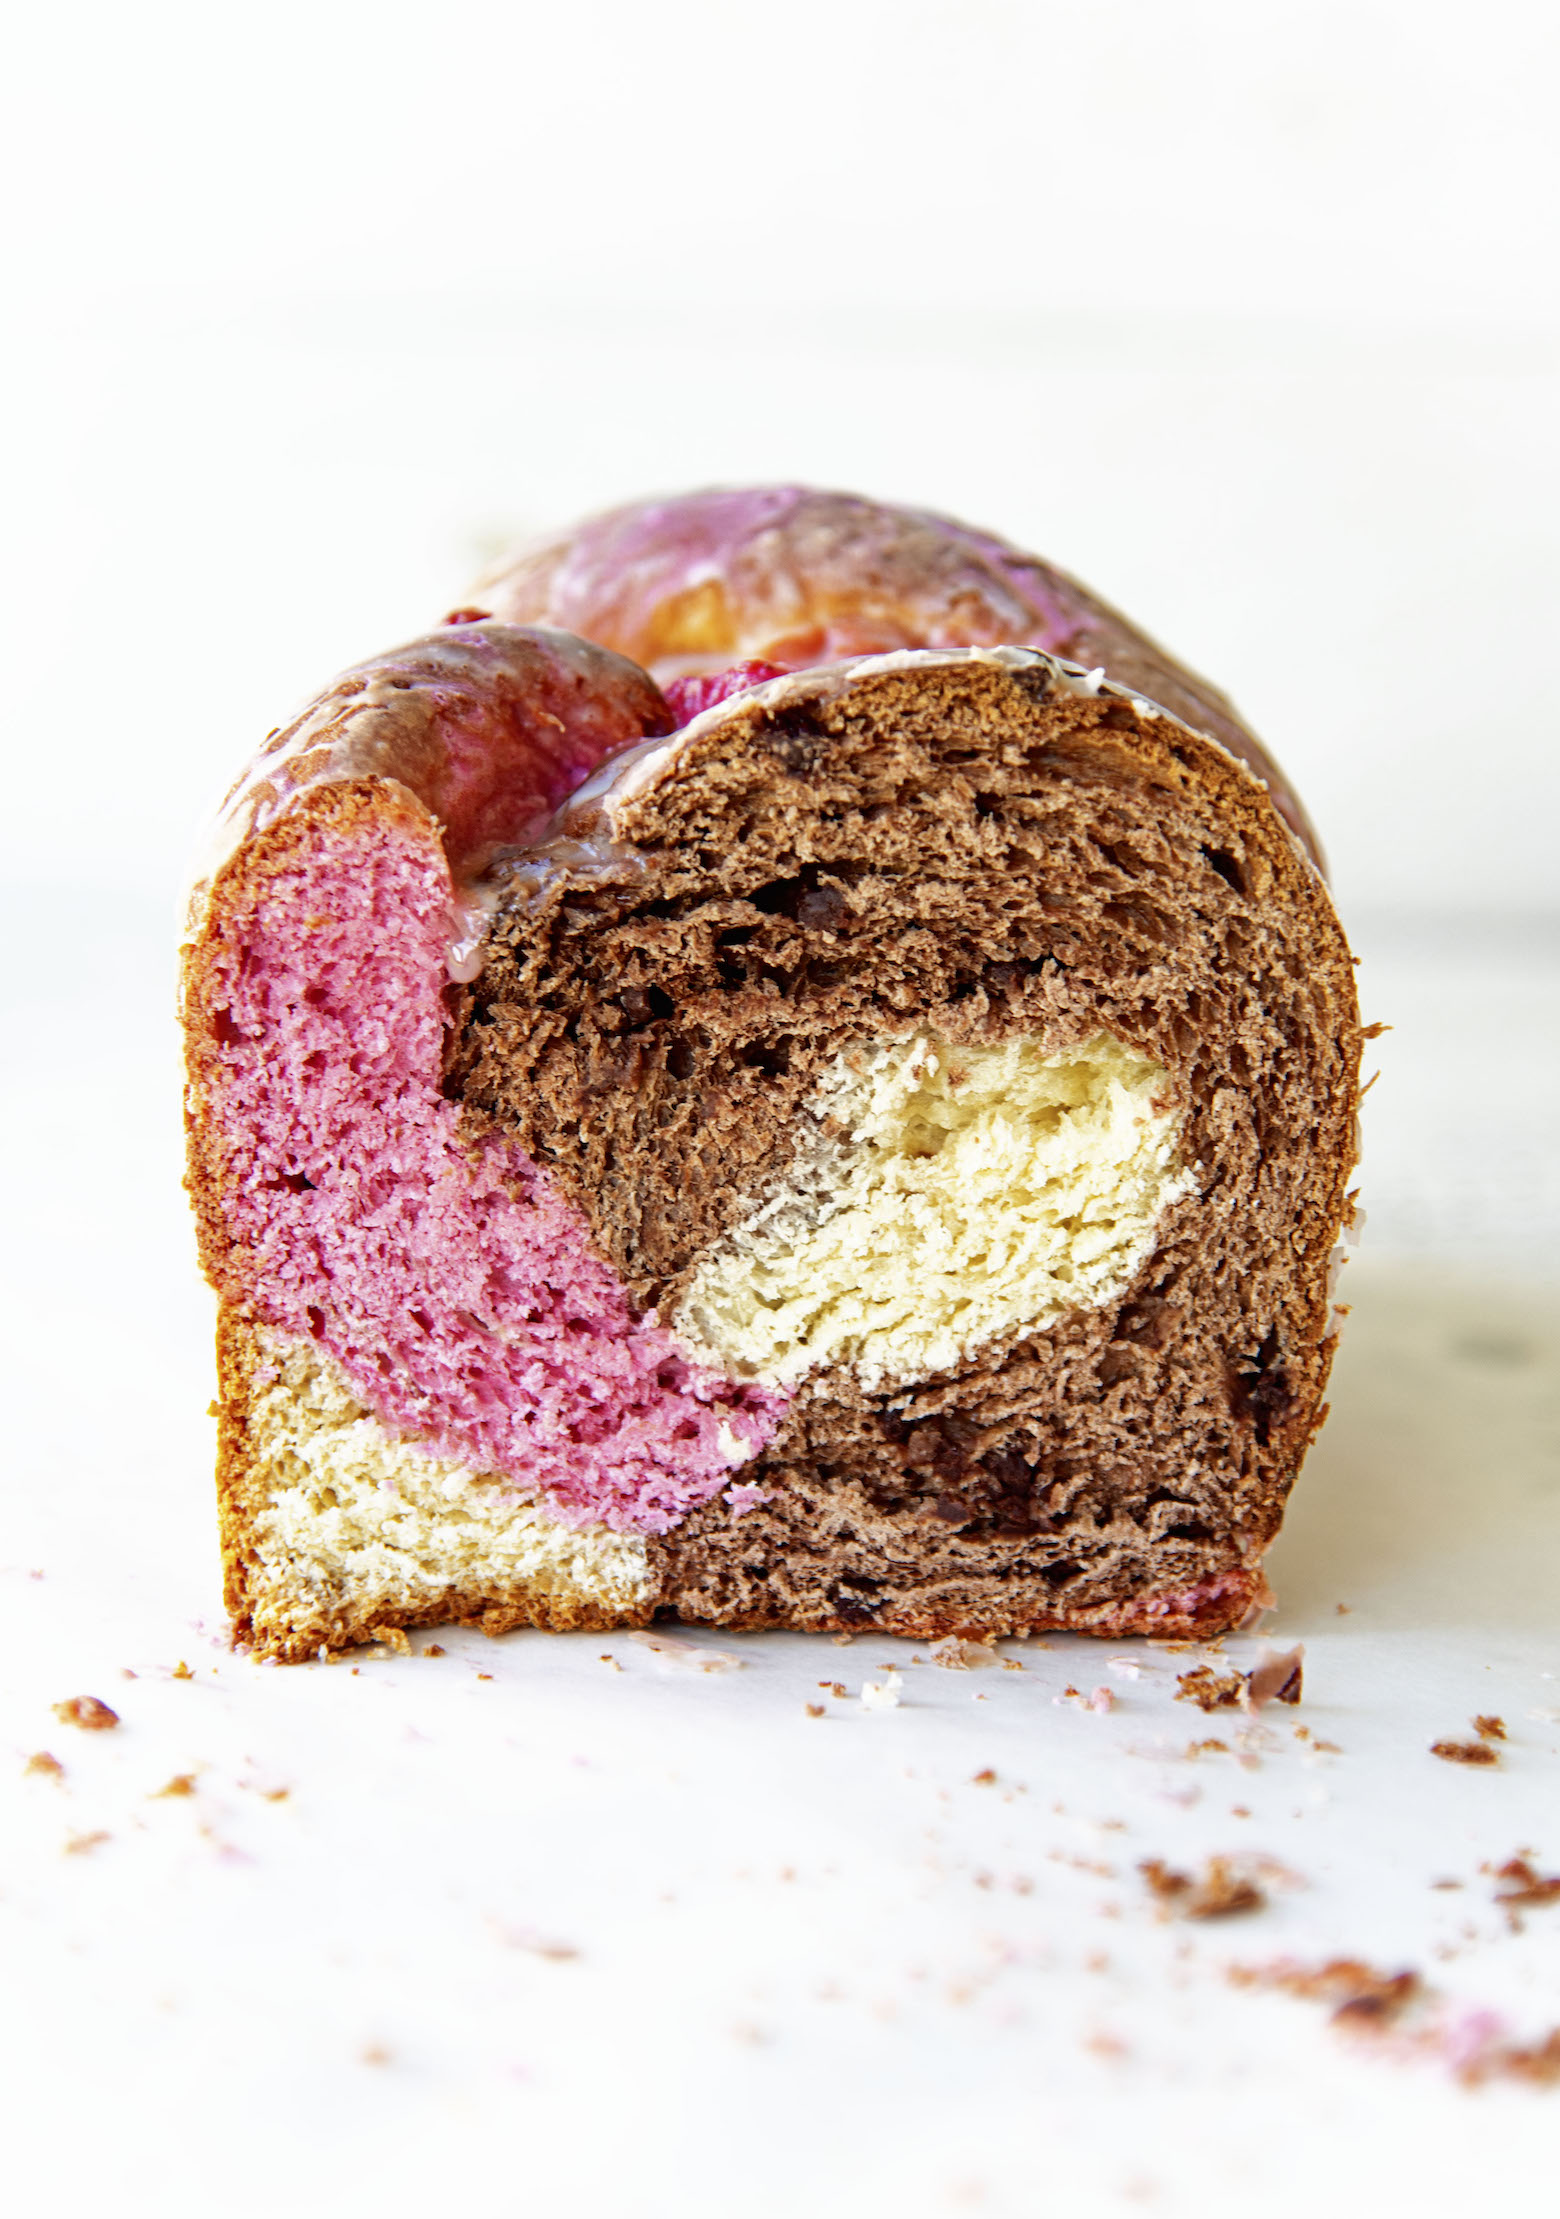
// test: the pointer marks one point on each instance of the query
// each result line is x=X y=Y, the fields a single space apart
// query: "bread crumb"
x=78 y=1845
x=1277 y=1678
x=182 y=1783
x=1222 y=1890
x=815 y=1710
x=484 y=1675
x=1537 y=2062
x=433 y=1650
x=1519 y=1883
x=1464 y=1752
x=87 y=1712
x=181 y=1671
x=985 y=1778
x=1372 y=2003
x=881 y=1694
x=1210 y=1690
x=41 y=1761
x=1490 y=1728
x=539 y=1945
x=957 y=1655
x=1356 y=1990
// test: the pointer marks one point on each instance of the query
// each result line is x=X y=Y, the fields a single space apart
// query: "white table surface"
x=564 y=1923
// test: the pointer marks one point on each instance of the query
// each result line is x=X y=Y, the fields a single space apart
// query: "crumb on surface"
x=1357 y=1991
x=955 y=1654
x=1210 y=1690
x=548 y=1946
x=88 y=1713
x=1464 y=1752
x=181 y=1671
x=1535 y=2062
x=80 y=1845
x=816 y=1710
x=182 y=1783
x=1518 y=1882
x=1490 y=1728
x=881 y=1694
x=1278 y=1678
x=985 y=1778
x=1372 y=2003
x=1222 y=1890
x=433 y=1650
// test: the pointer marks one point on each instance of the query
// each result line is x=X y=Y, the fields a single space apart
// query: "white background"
x=1250 y=315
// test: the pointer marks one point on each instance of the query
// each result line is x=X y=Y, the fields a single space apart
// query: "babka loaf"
x=852 y=1140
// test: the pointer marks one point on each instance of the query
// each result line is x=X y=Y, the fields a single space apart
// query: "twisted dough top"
x=488 y=725
x=785 y=575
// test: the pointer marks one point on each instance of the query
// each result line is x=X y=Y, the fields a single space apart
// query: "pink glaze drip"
x=455 y=1288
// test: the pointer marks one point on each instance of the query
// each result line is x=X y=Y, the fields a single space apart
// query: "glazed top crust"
x=489 y=726
x=786 y=575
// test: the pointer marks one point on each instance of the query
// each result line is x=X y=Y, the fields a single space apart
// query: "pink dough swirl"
x=341 y=1196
